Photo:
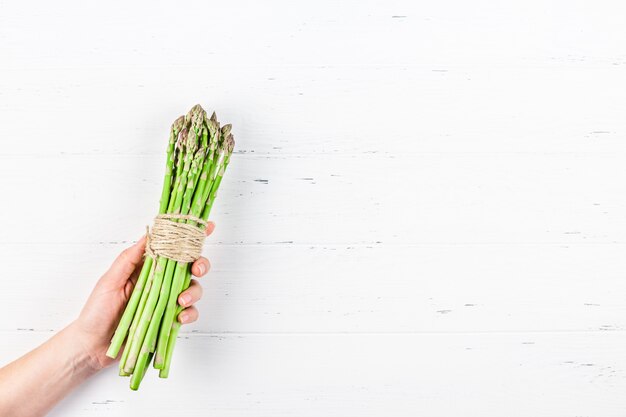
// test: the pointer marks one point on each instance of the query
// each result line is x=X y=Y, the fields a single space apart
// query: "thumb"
x=126 y=263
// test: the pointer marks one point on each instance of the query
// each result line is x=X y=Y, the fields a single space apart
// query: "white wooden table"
x=424 y=217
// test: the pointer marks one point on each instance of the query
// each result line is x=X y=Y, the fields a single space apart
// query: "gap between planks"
x=332 y=244
x=357 y=333
x=373 y=152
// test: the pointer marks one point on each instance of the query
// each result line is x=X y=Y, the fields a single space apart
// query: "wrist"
x=84 y=349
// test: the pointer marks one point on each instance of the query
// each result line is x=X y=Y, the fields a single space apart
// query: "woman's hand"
x=32 y=384
x=100 y=315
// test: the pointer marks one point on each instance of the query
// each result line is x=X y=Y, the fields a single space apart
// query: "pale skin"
x=34 y=383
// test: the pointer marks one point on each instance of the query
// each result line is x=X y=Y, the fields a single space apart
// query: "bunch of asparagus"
x=198 y=153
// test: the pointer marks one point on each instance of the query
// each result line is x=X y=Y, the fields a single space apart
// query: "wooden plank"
x=324 y=111
x=380 y=288
x=511 y=374
x=402 y=199
x=324 y=79
x=325 y=33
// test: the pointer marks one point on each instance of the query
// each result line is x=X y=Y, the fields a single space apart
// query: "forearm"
x=34 y=383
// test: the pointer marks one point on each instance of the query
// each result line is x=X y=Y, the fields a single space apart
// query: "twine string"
x=180 y=241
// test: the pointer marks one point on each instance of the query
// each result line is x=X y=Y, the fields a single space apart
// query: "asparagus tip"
x=192 y=141
x=178 y=124
x=192 y=115
x=230 y=143
x=226 y=129
x=182 y=138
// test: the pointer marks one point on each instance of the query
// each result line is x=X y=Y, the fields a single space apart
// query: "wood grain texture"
x=365 y=199
x=424 y=215
x=539 y=374
x=360 y=288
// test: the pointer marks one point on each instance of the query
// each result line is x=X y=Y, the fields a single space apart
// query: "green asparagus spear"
x=129 y=312
x=198 y=153
x=175 y=326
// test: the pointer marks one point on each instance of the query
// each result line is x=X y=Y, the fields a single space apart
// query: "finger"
x=209 y=228
x=188 y=315
x=191 y=294
x=126 y=263
x=200 y=267
x=128 y=288
x=135 y=275
x=132 y=280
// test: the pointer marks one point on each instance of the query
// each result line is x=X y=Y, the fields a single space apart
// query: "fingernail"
x=183 y=318
x=202 y=268
x=186 y=299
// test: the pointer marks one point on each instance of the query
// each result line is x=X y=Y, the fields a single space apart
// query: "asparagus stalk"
x=131 y=307
x=133 y=325
x=196 y=168
x=169 y=165
x=169 y=280
x=173 y=334
x=228 y=146
x=198 y=152
x=182 y=268
x=147 y=345
x=196 y=118
x=137 y=377
x=162 y=263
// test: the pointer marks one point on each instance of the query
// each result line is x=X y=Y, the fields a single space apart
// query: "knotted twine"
x=180 y=241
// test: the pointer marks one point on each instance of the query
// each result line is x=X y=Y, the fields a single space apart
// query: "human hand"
x=104 y=307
